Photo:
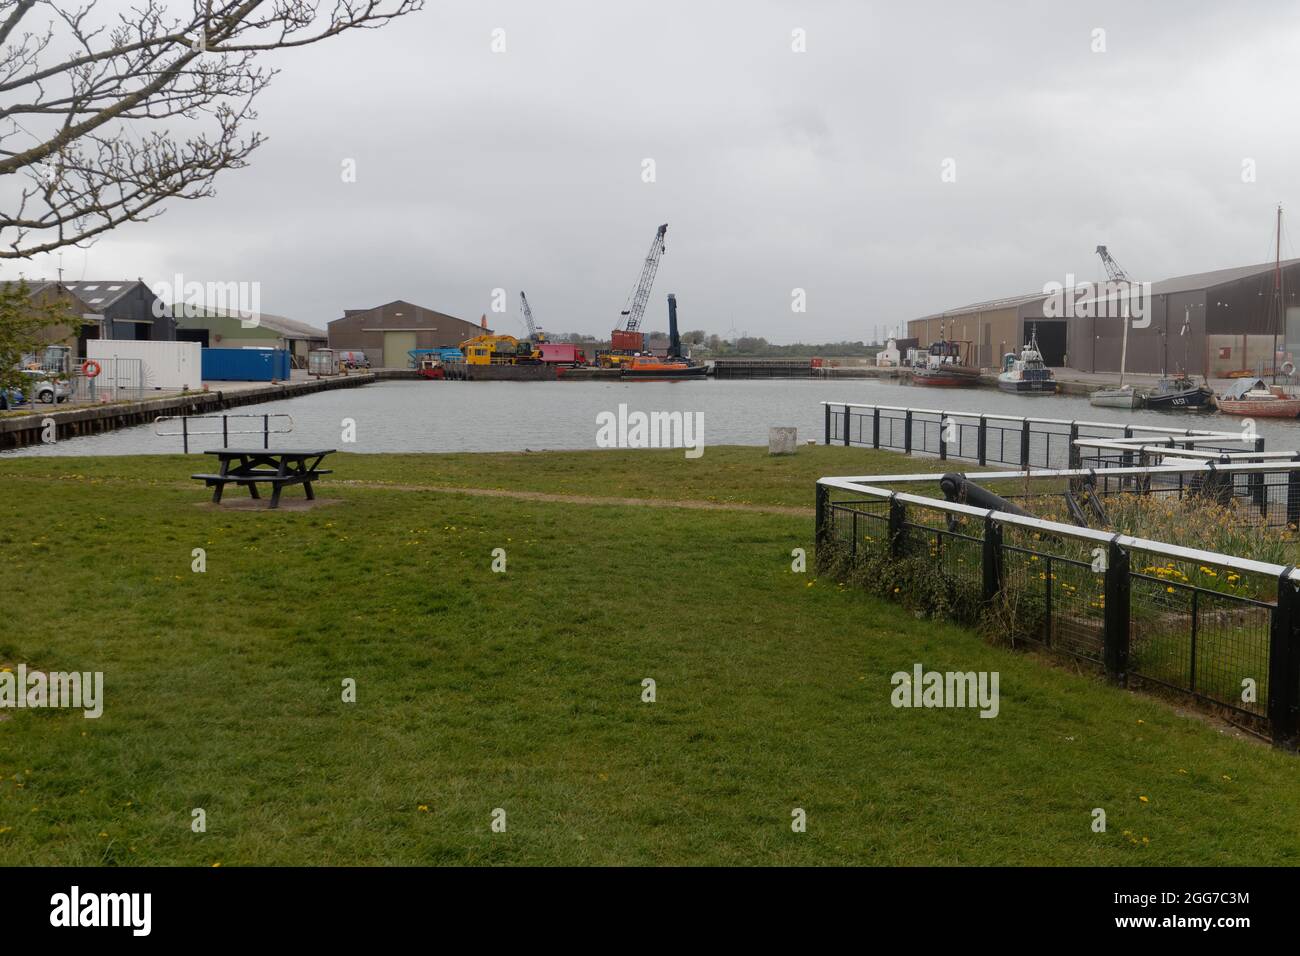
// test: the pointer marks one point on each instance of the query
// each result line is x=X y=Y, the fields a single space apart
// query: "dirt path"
x=518 y=495
x=693 y=503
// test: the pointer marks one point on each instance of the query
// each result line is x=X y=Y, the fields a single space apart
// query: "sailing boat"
x=1125 y=396
x=1251 y=396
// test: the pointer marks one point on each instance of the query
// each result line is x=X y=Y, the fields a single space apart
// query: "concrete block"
x=782 y=440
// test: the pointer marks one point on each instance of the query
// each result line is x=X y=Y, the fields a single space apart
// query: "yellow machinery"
x=498 y=350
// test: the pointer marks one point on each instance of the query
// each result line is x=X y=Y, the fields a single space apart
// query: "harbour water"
x=419 y=416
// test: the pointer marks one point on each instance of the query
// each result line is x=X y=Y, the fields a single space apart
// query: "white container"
x=170 y=365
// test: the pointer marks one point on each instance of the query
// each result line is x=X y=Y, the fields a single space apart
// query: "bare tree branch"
x=103 y=120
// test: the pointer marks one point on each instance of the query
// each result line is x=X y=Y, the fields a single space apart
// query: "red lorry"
x=561 y=353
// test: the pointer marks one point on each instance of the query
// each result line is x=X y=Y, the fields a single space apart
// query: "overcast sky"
x=775 y=169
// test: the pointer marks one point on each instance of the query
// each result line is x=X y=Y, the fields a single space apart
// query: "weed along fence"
x=1010 y=439
x=1004 y=550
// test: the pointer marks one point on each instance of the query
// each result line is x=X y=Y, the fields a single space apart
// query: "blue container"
x=245 y=365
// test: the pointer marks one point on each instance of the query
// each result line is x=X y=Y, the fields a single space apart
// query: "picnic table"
x=278 y=467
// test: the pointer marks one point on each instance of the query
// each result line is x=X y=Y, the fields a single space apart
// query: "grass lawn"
x=522 y=690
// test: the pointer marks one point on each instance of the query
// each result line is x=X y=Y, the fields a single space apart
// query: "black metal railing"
x=1218 y=628
x=1008 y=439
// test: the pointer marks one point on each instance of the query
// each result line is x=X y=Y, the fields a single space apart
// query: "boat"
x=1123 y=396
x=1028 y=374
x=1253 y=396
x=652 y=366
x=1180 y=393
x=1257 y=399
x=946 y=366
x=432 y=368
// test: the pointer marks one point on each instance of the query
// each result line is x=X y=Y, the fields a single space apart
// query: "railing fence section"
x=1014 y=440
x=1220 y=628
x=283 y=424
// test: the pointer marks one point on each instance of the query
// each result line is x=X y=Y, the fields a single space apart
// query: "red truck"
x=561 y=353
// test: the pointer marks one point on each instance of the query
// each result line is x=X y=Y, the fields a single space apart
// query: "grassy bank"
x=522 y=690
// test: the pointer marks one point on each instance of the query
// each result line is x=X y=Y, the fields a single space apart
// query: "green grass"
x=724 y=474
x=523 y=690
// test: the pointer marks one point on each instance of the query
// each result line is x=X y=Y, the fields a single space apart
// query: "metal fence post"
x=992 y=559
x=907 y=432
x=827 y=440
x=846 y=426
x=1072 y=454
x=1284 y=662
x=983 y=441
x=820 y=525
x=185 y=433
x=225 y=431
x=1257 y=482
x=1117 y=615
x=266 y=431
x=853 y=549
x=875 y=428
x=1024 y=444
x=1293 y=496
x=943 y=438
x=897 y=516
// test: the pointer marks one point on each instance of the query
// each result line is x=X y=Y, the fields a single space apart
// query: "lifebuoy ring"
x=90 y=368
x=1288 y=368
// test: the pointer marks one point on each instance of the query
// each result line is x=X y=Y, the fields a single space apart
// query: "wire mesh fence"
x=1222 y=628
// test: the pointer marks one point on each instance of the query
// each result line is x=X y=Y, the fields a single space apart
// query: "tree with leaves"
x=23 y=320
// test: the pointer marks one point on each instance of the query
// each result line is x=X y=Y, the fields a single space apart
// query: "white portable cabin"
x=170 y=365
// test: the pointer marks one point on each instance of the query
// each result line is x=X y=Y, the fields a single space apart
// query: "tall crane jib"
x=642 y=294
x=534 y=333
x=1113 y=270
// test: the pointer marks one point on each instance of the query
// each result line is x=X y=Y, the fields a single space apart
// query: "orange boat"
x=651 y=366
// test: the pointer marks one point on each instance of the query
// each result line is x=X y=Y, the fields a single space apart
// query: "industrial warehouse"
x=1207 y=323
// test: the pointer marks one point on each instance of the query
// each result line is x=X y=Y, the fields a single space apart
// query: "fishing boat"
x=1257 y=399
x=1180 y=394
x=652 y=366
x=1028 y=374
x=947 y=366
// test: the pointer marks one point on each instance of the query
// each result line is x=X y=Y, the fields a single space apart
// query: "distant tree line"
x=703 y=342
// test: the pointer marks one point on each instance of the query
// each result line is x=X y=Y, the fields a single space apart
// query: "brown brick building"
x=387 y=332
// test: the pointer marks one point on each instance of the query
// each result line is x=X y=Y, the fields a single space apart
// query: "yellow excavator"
x=499 y=350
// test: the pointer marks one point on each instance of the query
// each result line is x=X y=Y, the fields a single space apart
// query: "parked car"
x=45 y=388
x=353 y=359
x=10 y=398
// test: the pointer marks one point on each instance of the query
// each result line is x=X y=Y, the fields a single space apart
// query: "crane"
x=1113 y=270
x=534 y=333
x=641 y=295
